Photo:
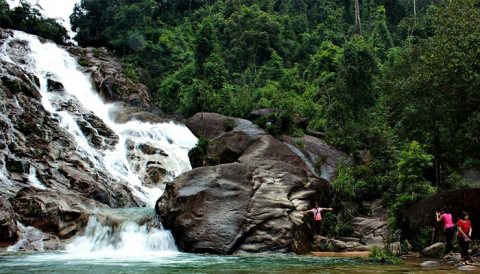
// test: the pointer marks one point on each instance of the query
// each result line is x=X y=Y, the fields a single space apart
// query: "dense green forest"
x=394 y=83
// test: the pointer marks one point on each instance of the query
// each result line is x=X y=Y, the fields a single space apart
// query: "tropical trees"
x=432 y=90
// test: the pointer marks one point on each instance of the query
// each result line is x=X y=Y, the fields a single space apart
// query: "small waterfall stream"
x=130 y=231
x=114 y=230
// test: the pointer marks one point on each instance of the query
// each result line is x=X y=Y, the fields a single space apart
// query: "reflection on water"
x=175 y=262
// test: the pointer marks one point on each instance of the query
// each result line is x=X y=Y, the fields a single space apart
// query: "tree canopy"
x=28 y=18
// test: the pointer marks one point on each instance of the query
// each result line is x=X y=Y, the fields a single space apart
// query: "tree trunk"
x=437 y=154
x=415 y=12
x=357 y=16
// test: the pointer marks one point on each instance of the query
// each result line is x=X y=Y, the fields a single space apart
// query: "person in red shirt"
x=464 y=234
x=318 y=216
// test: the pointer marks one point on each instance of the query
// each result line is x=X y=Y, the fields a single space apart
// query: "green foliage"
x=355 y=92
x=321 y=160
x=383 y=256
x=130 y=72
x=381 y=38
x=344 y=190
x=456 y=181
x=346 y=231
x=411 y=185
x=422 y=239
x=431 y=90
x=276 y=123
x=299 y=143
x=332 y=226
x=229 y=124
x=329 y=223
x=28 y=18
x=198 y=154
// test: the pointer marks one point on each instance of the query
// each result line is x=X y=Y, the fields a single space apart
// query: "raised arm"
x=439 y=217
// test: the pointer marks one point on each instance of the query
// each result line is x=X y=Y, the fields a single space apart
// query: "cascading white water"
x=45 y=61
x=125 y=232
x=32 y=178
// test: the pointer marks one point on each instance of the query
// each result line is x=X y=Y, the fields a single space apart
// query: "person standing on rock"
x=317 y=214
x=449 y=230
x=464 y=234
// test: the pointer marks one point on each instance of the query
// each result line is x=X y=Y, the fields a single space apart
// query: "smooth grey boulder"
x=236 y=208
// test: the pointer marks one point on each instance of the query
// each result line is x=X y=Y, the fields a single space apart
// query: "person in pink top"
x=317 y=214
x=449 y=230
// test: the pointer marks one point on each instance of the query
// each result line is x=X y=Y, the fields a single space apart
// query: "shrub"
x=321 y=160
x=198 y=154
x=229 y=124
x=299 y=143
x=131 y=73
x=383 y=256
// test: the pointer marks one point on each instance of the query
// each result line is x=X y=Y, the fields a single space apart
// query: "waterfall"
x=47 y=61
x=32 y=239
x=32 y=178
x=170 y=141
x=125 y=232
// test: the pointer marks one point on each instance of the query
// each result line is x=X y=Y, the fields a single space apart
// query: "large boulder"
x=422 y=214
x=226 y=146
x=237 y=208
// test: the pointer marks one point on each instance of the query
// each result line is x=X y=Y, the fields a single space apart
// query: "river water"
x=175 y=262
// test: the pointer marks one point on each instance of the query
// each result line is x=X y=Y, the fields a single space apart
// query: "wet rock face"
x=109 y=77
x=8 y=224
x=248 y=202
x=53 y=211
